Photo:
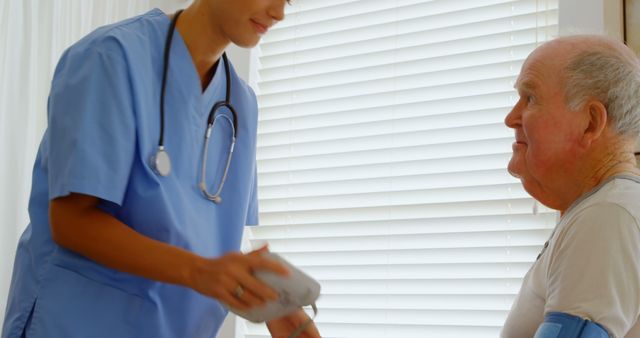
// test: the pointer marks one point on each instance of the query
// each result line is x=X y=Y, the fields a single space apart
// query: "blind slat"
x=386 y=138
x=401 y=212
x=388 y=155
x=398 y=168
x=432 y=59
x=460 y=195
x=387 y=184
x=313 y=12
x=498 y=254
x=421 y=108
x=500 y=36
x=374 y=127
x=436 y=302
x=482 y=286
x=466 y=223
x=415 y=241
x=414 y=30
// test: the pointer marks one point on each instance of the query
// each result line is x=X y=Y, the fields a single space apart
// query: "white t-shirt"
x=590 y=267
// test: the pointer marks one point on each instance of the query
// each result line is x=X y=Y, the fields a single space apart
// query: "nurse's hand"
x=285 y=326
x=230 y=279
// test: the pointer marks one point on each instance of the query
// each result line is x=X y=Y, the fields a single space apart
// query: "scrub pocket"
x=71 y=305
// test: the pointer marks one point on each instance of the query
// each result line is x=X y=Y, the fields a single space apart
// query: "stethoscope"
x=160 y=161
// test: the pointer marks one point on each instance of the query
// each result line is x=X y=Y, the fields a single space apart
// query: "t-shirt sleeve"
x=594 y=268
x=91 y=125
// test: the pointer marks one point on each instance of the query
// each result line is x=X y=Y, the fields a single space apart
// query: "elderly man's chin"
x=514 y=165
x=530 y=184
x=514 y=173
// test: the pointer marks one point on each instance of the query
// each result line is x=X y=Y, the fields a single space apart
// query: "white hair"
x=610 y=76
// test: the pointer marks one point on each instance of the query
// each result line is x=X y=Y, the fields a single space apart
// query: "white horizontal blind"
x=382 y=160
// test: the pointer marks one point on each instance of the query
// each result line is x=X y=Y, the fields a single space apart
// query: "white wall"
x=591 y=17
x=169 y=6
x=633 y=16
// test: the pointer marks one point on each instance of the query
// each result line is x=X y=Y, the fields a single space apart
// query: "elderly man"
x=576 y=124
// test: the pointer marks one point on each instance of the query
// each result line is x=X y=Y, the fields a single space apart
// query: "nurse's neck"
x=204 y=41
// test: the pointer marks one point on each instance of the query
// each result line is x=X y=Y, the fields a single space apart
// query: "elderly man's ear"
x=595 y=122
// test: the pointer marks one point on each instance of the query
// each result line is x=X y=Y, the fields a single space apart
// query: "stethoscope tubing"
x=160 y=162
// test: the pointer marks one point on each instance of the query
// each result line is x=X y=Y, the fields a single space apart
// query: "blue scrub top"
x=103 y=128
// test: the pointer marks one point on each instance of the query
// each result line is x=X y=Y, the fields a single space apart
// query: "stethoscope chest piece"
x=160 y=163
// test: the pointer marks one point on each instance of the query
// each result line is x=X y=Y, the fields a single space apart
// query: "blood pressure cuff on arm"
x=562 y=325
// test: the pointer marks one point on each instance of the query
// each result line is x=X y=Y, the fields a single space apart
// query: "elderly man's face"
x=546 y=130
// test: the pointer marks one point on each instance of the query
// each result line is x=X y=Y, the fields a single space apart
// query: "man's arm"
x=79 y=225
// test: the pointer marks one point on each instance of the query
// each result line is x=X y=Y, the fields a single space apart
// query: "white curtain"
x=33 y=35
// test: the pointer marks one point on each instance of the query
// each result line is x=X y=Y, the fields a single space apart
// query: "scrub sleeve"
x=91 y=125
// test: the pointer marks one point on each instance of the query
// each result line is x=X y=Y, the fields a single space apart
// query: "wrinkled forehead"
x=544 y=67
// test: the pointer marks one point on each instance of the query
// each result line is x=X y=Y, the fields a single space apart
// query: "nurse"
x=136 y=216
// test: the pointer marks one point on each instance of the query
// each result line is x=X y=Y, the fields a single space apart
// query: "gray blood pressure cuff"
x=295 y=291
x=563 y=325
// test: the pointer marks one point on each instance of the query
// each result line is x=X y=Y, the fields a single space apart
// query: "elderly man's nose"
x=513 y=118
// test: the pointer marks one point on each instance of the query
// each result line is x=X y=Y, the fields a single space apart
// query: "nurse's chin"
x=246 y=45
x=250 y=40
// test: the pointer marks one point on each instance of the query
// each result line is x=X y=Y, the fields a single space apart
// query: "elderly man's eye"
x=530 y=99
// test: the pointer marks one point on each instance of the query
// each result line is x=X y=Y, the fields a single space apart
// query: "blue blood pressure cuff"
x=562 y=325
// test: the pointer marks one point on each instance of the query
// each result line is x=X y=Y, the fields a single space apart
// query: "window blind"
x=382 y=160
